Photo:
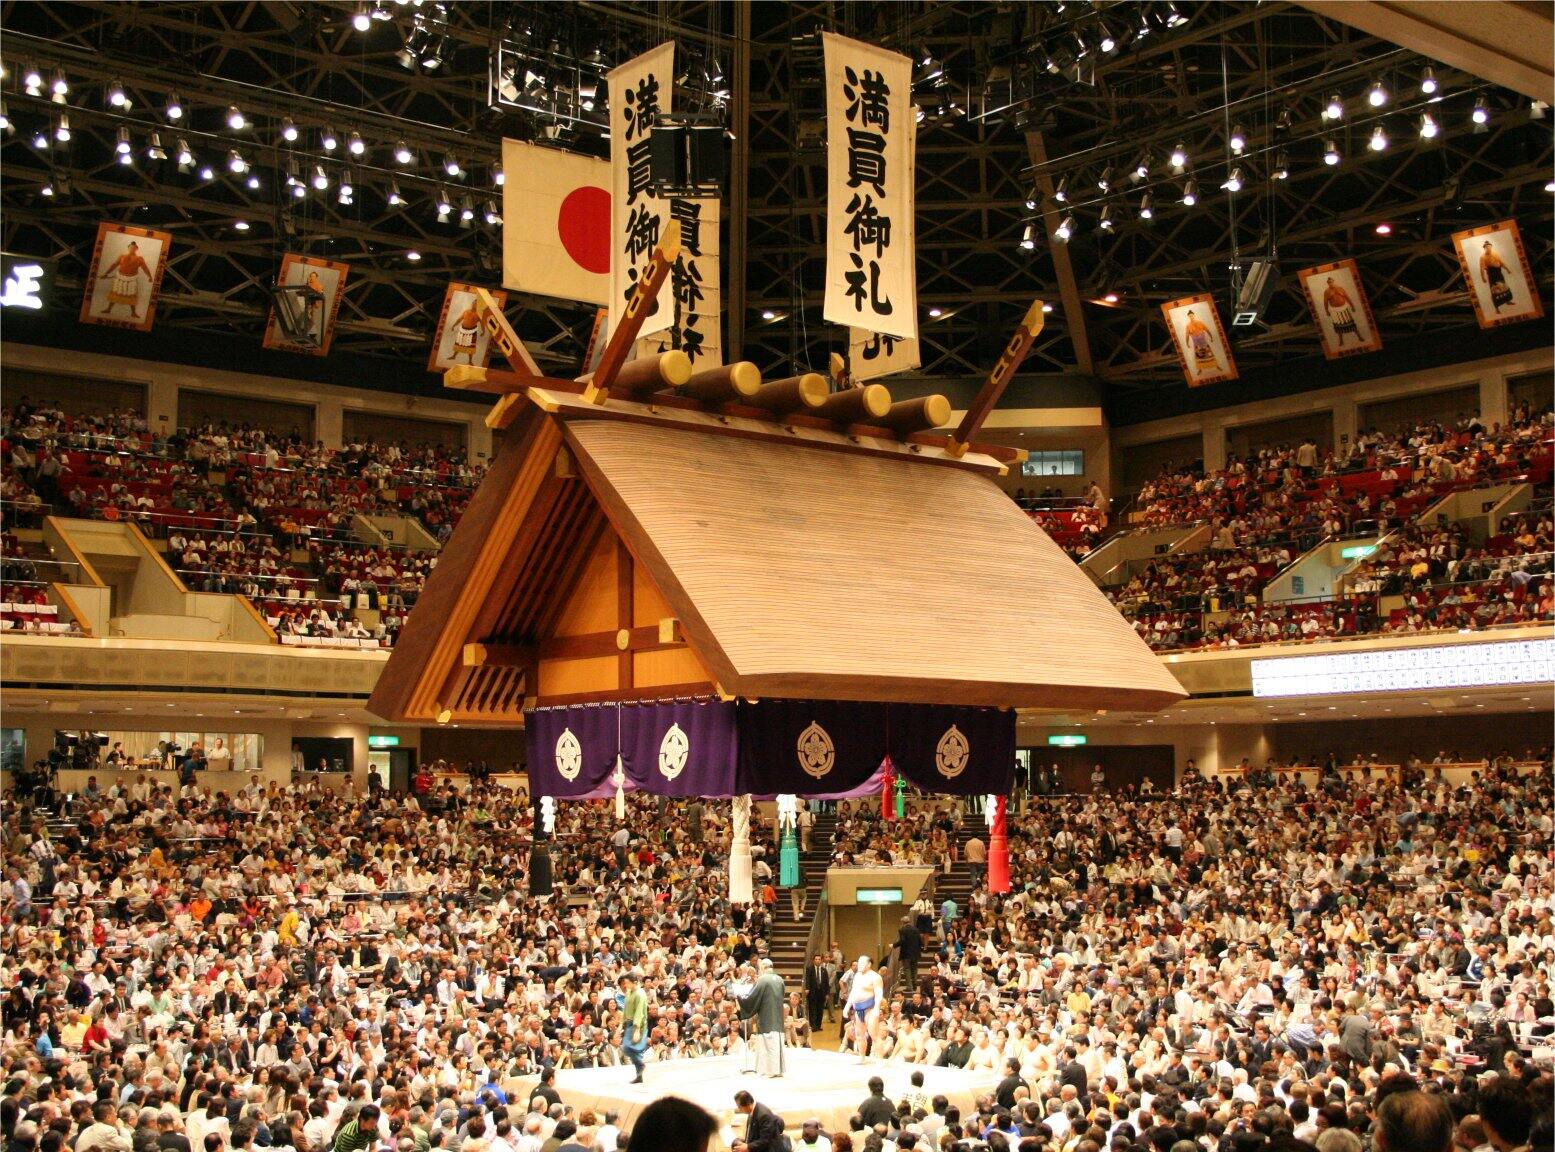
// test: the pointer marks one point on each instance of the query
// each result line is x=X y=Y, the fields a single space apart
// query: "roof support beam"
x=1068 y=289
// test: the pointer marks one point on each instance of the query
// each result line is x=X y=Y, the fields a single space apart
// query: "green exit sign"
x=1067 y=740
x=1356 y=551
x=878 y=895
x=383 y=741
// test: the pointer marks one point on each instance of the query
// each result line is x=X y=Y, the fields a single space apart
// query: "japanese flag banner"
x=555 y=223
x=640 y=90
x=871 y=138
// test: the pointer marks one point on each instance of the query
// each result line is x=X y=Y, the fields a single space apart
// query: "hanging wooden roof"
x=754 y=561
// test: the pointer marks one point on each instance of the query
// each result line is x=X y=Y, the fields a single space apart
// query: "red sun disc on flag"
x=583 y=223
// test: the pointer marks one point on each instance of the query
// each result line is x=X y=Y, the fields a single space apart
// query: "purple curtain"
x=810 y=747
x=680 y=747
x=572 y=751
x=954 y=750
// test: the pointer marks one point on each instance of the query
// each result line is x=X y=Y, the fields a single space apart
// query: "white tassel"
x=741 y=890
x=620 y=783
x=788 y=810
x=548 y=814
x=991 y=809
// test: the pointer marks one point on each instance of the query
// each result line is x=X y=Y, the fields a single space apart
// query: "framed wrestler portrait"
x=312 y=312
x=1340 y=309
x=1202 y=348
x=1496 y=273
x=126 y=277
x=460 y=337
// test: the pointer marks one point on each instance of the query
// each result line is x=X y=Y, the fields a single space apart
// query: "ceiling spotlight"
x=5 y=119
x=1065 y=229
x=32 y=80
x=1110 y=298
x=346 y=186
x=240 y=225
x=40 y=140
x=450 y=165
x=1481 y=113
x=1105 y=221
x=1428 y=126
x=1028 y=237
x=126 y=158
x=492 y=216
x=1082 y=47
x=62 y=129
x=1330 y=153
x=1335 y=108
x=1142 y=169
x=175 y=107
x=1384 y=229
x=1104 y=181
x=1281 y=170
x=207 y=173
x=320 y=177
x=402 y=153
x=1047 y=307
x=435 y=56
x=355 y=146
x=497 y=176
x=154 y=149
x=1061 y=193
x=299 y=191
x=289 y=131
x=185 y=156
x=1105 y=40
x=1190 y=192
x=1550 y=186
x=466 y=208
x=363 y=19
x=236 y=162
x=48 y=185
x=768 y=314
x=1179 y=155
x=394 y=193
x=1234 y=181
x=1428 y=83
x=1238 y=139
x=122 y=147
x=444 y=206
x=935 y=313
x=412 y=255
x=1031 y=200
x=235 y=119
x=329 y=140
x=1283 y=122
x=116 y=97
x=1146 y=206
x=60 y=87
x=1174 y=18
x=1379 y=139
x=1378 y=96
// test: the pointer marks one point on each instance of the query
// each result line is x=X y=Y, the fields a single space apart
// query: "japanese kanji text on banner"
x=871 y=355
x=639 y=91
x=695 y=296
x=871 y=279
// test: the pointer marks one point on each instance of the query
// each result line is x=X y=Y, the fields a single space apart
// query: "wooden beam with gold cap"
x=728 y=383
x=998 y=380
x=620 y=343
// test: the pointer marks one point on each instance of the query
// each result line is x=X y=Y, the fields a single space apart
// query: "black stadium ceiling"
x=1020 y=101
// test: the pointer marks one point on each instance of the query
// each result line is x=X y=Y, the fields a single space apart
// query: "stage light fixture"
x=320 y=177
x=185 y=156
x=240 y=225
x=1061 y=192
x=1146 y=206
x=1179 y=155
x=1335 y=108
x=1481 y=113
x=1104 y=181
x=1379 y=139
x=347 y=186
x=289 y=131
x=1378 y=96
x=235 y=118
x=1105 y=40
x=1144 y=27
x=5 y=119
x=32 y=80
x=1428 y=83
x=1174 y=18
x=1238 y=139
x=1190 y=192
x=299 y=191
x=1428 y=126
x=492 y=216
x=62 y=129
x=1234 y=181
x=1028 y=237
x=402 y=153
x=768 y=314
x=207 y=173
x=48 y=187
x=1110 y=298
x=444 y=205
x=175 y=107
x=329 y=140
x=466 y=209
x=236 y=163
x=1330 y=153
x=122 y=145
x=1142 y=168
x=1065 y=229
x=394 y=194
x=1048 y=308
x=362 y=20
x=154 y=149
x=1082 y=47
x=412 y=255
x=116 y=97
x=60 y=87
x=252 y=181
x=1104 y=222
x=355 y=145
x=435 y=56
x=1281 y=170
x=40 y=140
x=126 y=158
x=1384 y=229
x=450 y=164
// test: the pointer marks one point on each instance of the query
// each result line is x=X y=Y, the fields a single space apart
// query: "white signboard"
x=640 y=90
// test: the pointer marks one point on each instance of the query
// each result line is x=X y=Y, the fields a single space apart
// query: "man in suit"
x=763 y=1127
x=765 y=1002
x=817 y=989
x=1073 y=1072
x=909 y=945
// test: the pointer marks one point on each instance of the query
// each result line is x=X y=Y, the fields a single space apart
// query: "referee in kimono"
x=765 y=1002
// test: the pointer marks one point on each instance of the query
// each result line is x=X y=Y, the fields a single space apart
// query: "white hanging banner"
x=872 y=354
x=871 y=279
x=640 y=90
x=696 y=322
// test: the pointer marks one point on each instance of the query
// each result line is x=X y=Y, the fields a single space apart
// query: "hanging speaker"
x=667 y=155
x=709 y=155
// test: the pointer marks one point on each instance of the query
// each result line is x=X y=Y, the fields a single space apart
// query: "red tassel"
x=999 y=851
x=888 y=790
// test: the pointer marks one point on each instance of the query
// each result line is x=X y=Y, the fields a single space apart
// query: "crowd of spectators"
x=1240 y=964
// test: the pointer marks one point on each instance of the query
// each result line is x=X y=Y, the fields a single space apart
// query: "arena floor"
x=827 y=1085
